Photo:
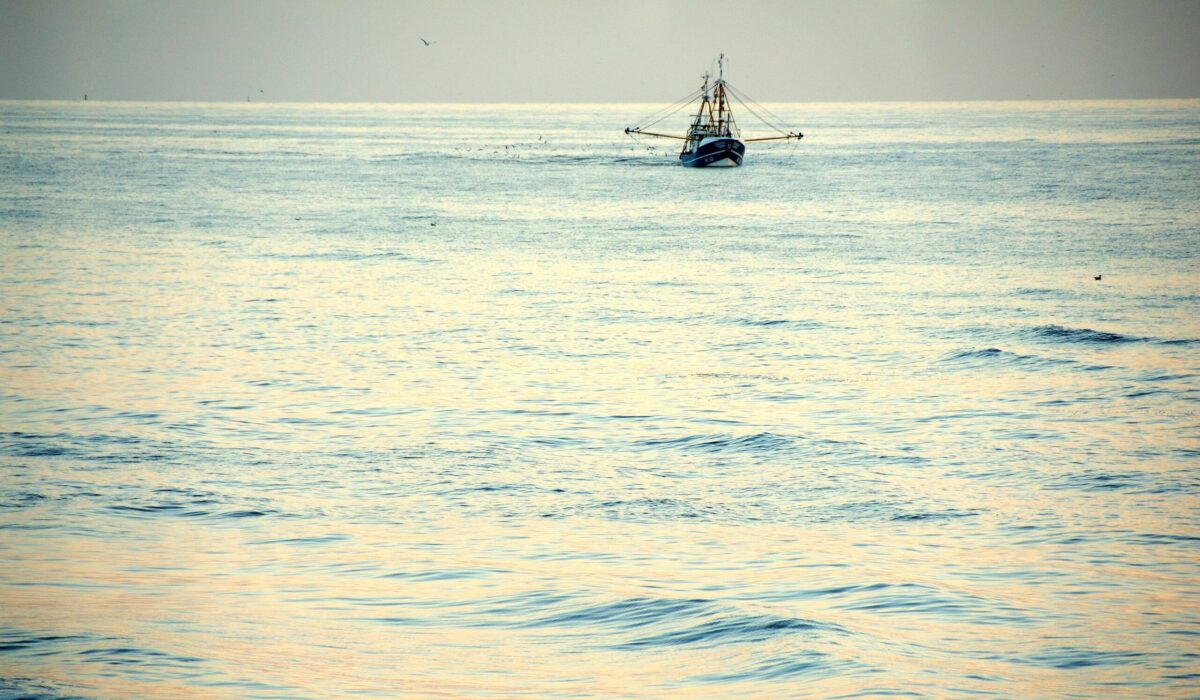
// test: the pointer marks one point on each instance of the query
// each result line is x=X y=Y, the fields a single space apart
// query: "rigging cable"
x=743 y=100
x=670 y=109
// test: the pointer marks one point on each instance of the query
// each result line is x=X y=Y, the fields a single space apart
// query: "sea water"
x=317 y=401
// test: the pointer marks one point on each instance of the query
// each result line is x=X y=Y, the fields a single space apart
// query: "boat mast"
x=721 y=131
x=705 y=105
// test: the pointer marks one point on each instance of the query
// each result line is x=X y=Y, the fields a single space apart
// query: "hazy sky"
x=599 y=51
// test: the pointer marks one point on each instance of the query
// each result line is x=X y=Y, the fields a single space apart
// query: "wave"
x=184 y=510
x=302 y=541
x=12 y=640
x=924 y=600
x=1063 y=334
x=33 y=689
x=774 y=322
x=886 y=511
x=677 y=622
x=766 y=442
x=110 y=651
x=804 y=663
x=184 y=503
x=93 y=448
x=648 y=509
x=1067 y=335
x=732 y=629
x=1067 y=658
x=995 y=357
x=630 y=613
x=934 y=515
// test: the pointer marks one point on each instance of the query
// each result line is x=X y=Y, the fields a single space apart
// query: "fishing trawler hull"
x=715 y=153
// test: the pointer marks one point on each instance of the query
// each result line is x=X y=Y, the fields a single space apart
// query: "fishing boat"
x=713 y=139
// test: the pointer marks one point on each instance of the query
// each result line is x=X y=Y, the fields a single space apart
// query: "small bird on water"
x=1097 y=277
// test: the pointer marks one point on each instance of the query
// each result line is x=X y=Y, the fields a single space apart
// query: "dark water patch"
x=85 y=448
x=469 y=491
x=627 y=614
x=1145 y=392
x=1063 y=334
x=928 y=516
x=757 y=442
x=15 y=641
x=36 y=449
x=188 y=509
x=643 y=510
x=1072 y=658
x=883 y=692
x=1167 y=538
x=997 y=358
x=923 y=600
x=515 y=610
x=18 y=501
x=135 y=656
x=894 y=512
x=731 y=629
x=648 y=622
x=848 y=590
x=427 y=575
x=303 y=541
x=218 y=405
x=36 y=689
x=797 y=665
x=106 y=651
x=774 y=323
x=25 y=527
x=1099 y=480
x=1027 y=435
x=1161 y=376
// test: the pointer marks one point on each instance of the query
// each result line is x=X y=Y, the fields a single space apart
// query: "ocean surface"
x=320 y=401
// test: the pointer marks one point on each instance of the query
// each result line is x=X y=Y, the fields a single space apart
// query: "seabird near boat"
x=713 y=139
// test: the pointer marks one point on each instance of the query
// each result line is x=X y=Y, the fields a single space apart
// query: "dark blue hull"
x=715 y=152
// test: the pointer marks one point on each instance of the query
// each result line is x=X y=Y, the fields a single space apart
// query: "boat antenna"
x=721 y=68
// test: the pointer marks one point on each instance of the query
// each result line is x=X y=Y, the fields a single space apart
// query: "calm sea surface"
x=317 y=401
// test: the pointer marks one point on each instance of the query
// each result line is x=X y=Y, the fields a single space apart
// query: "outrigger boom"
x=790 y=135
x=713 y=139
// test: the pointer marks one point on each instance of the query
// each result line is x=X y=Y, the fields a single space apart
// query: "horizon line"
x=573 y=102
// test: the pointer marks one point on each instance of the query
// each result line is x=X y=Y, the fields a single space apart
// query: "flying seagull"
x=427 y=43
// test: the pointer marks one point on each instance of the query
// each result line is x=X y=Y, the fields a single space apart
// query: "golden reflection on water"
x=275 y=612
x=300 y=452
